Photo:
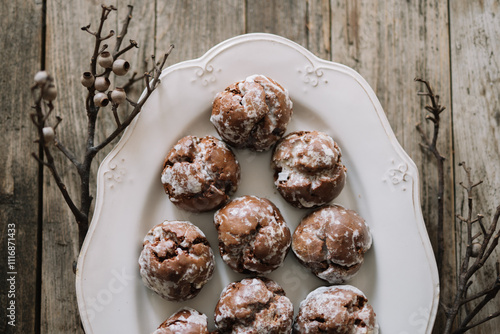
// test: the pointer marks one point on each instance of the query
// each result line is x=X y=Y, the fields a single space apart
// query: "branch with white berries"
x=99 y=96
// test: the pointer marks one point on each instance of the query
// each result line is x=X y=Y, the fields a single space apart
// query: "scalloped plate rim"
x=318 y=63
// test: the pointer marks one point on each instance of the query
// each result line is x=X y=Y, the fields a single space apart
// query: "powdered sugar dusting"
x=252 y=113
x=308 y=168
x=167 y=264
x=185 y=320
x=254 y=305
x=332 y=241
x=339 y=307
x=197 y=169
x=253 y=237
x=181 y=179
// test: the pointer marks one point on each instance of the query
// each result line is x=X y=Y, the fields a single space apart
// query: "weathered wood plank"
x=194 y=26
x=68 y=55
x=319 y=34
x=20 y=47
x=285 y=18
x=306 y=22
x=390 y=43
x=475 y=60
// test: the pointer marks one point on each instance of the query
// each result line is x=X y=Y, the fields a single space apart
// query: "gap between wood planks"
x=39 y=234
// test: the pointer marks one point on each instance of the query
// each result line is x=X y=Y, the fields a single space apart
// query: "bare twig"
x=479 y=245
x=147 y=77
x=430 y=145
x=133 y=44
x=132 y=103
x=115 y=115
x=70 y=155
x=123 y=32
x=471 y=263
x=132 y=80
x=108 y=36
x=480 y=322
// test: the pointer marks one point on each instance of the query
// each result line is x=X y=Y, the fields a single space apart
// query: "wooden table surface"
x=454 y=44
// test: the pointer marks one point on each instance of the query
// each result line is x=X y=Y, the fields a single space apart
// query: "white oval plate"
x=399 y=275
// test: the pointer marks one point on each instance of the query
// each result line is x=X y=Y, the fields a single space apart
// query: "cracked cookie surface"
x=341 y=309
x=254 y=306
x=252 y=113
x=199 y=174
x=331 y=242
x=253 y=236
x=185 y=321
x=308 y=171
x=176 y=260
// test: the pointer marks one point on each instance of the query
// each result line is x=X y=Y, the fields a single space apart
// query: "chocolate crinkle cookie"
x=184 y=321
x=199 y=174
x=331 y=241
x=253 y=113
x=176 y=260
x=308 y=170
x=254 y=306
x=253 y=236
x=341 y=309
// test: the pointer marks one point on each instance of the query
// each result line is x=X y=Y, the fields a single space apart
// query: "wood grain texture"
x=319 y=32
x=286 y=18
x=475 y=60
x=454 y=44
x=20 y=47
x=390 y=43
x=194 y=27
x=68 y=55
x=69 y=50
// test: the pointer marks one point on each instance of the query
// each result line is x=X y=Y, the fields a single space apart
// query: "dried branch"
x=147 y=77
x=473 y=261
x=134 y=78
x=133 y=44
x=137 y=108
x=123 y=32
x=132 y=103
x=115 y=115
x=104 y=15
x=98 y=96
x=480 y=322
x=108 y=36
x=430 y=145
x=479 y=245
x=42 y=109
x=131 y=81
x=70 y=155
